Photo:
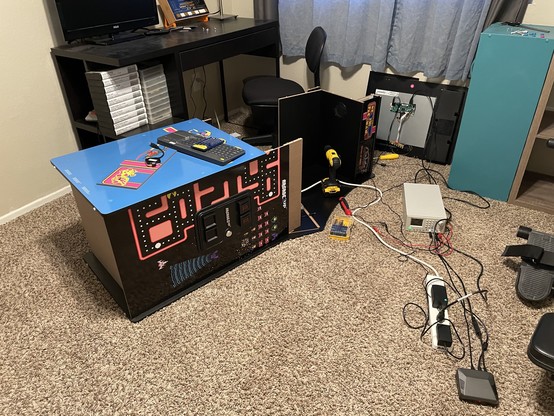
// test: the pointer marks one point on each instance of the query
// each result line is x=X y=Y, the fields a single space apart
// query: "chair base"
x=265 y=120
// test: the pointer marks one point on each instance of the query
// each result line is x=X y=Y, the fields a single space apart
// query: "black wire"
x=438 y=279
x=478 y=262
x=204 y=93
x=432 y=132
x=471 y=203
x=406 y=320
x=192 y=93
x=481 y=271
x=428 y=171
x=428 y=328
x=100 y=134
x=484 y=344
x=430 y=177
x=390 y=127
x=449 y=269
x=399 y=217
x=405 y=151
x=458 y=300
x=475 y=319
x=403 y=257
x=415 y=93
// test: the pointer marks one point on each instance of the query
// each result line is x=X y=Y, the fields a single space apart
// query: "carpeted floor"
x=313 y=326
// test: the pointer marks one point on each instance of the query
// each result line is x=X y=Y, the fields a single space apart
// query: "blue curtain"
x=436 y=37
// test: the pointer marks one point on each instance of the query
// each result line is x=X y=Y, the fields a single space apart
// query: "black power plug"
x=444 y=336
x=438 y=296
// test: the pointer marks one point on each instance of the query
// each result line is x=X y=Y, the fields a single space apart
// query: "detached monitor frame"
x=437 y=129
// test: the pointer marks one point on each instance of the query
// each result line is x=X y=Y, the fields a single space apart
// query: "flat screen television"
x=108 y=21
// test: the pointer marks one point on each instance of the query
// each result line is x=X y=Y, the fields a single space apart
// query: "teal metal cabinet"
x=507 y=82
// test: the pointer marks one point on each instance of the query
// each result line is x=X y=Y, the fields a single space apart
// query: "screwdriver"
x=344 y=205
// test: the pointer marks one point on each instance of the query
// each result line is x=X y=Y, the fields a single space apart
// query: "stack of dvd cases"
x=155 y=92
x=117 y=99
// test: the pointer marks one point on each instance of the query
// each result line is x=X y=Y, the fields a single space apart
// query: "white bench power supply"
x=423 y=208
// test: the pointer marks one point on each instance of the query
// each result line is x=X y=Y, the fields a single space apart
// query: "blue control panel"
x=115 y=175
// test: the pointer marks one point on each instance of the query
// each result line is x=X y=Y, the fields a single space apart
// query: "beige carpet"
x=311 y=327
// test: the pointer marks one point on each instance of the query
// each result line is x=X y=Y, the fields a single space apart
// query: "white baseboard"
x=33 y=205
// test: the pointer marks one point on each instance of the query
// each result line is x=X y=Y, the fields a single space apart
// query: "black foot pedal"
x=535 y=277
x=534 y=284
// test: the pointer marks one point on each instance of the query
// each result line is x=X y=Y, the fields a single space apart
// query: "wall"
x=35 y=124
x=540 y=12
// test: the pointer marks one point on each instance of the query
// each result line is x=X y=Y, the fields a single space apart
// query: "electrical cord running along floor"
x=313 y=326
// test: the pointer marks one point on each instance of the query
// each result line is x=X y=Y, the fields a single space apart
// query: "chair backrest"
x=314 y=50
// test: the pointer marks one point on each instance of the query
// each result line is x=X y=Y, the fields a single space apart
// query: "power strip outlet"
x=441 y=334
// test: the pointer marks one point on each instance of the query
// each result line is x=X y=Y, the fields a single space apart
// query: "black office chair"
x=541 y=347
x=262 y=93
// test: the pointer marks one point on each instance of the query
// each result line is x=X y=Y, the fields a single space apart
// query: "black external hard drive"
x=476 y=386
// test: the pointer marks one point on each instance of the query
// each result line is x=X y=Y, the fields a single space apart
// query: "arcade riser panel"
x=174 y=241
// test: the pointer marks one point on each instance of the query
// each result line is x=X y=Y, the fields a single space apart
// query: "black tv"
x=105 y=21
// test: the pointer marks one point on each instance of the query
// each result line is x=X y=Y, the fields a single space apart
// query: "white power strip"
x=431 y=281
